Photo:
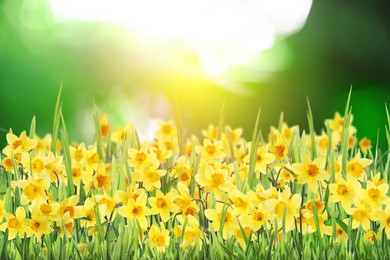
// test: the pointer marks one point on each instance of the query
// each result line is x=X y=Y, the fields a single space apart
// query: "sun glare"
x=222 y=33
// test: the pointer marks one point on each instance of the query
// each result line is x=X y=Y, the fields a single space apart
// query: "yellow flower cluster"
x=183 y=189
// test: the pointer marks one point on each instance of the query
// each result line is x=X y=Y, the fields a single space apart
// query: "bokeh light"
x=222 y=33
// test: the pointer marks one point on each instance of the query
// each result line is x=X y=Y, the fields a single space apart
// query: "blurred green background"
x=342 y=44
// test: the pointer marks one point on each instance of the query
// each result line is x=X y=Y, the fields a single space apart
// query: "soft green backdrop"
x=343 y=44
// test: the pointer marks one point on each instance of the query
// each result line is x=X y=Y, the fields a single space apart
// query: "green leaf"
x=312 y=132
x=253 y=154
x=98 y=136
x=67 y=157
x=56 y=121
x=32 y=127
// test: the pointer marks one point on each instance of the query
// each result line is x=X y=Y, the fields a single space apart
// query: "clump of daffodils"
x=178 y=191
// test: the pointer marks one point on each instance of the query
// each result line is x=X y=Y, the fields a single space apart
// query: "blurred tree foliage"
x=343 y=43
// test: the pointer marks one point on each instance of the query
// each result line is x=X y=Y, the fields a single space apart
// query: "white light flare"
x=222 y=32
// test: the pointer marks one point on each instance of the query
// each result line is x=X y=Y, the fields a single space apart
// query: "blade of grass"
x=32 y=128
x=98 y=136
x=312 y=132
x=67 y=158
x=253 y=154
x=56 y=121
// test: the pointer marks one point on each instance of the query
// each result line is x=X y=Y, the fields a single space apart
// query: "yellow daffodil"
x=192 y=234
x=88 y=214
x=375 y=196
x=140 y=159
x=151 y=176
x=290 y=204
x=211 y=132
x=183 y=169
x=211 y=150
x=102 y=180
x=263 y=158
x=370 y=236
x=245 y=230
x=230 y=222
x=68 y=206
x=91 y=159
x=162 y=153
x=43 y=144
x=166 y=130
x=48 y=209
x=40 y=224
x=33 y=188
x=77 y=153
x=159 y=237
x=344 y=191
x=19 y=144
x=184 y=201
x=261 y=215
x=384 y=218
x=365 y=145
x=234 y=136
x=163 y=204
x=121 y=133
x=311 y=172
x=361 y=215
x=136 y=209
x=356 y=166
x=2 y=210
x=110 y=202
x=214 y=180
x=104 y=126
x=337 y=123
x=242 y=203
x=17 y=225
x=65 y=226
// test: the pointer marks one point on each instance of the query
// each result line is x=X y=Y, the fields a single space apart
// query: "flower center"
x=13 y=223
x=78 y=155
x=35 y=225
x=16 y=144
x=167 y=129
x=279 y=209
x=76 y=172
x=312 y=170
x=140 y=157
x=190 y=211
x=217 y=179
x=102 y=180
x=31 y=191
x=239 y=203
x=160 y=240
x=70 y=210
x=259 y=216
x=45 y=209
x=137 y=211
x=356 y=169
x=153 y=176
x=279 y=151
x=374 y=194
x=360 y=215
x=161 y=203
x=211 y=149
x=342 y=189
x=38 y=166
x=94 y=159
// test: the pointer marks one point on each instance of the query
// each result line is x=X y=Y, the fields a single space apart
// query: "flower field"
x=291 y=194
